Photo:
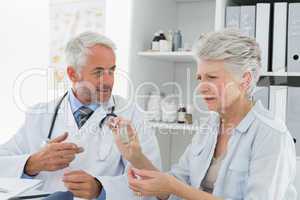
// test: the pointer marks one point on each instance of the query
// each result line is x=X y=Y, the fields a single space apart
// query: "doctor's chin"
x=147 y=100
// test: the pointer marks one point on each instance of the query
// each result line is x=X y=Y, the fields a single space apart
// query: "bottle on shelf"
x=177 y=40
x=163 y=43
x=170 y=40
x=181 y=114
x=188 y=114
x=155 y=42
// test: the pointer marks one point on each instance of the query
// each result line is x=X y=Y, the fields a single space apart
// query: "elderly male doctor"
x=81 y=155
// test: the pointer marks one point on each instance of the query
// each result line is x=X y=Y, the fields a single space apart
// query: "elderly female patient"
x=246 y=153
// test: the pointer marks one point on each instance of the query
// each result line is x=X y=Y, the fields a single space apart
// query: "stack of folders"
x=12 y=187
x=276 y=28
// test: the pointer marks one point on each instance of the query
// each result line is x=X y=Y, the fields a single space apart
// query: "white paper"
x=16 y=186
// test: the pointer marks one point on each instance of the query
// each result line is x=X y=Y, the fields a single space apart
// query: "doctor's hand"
x=56 y=155
x=82 y=185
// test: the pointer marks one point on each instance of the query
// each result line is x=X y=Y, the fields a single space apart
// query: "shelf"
x=177 y=56
x=188 y=1
x=173 y=126
x=279 y=79
x=254 y=2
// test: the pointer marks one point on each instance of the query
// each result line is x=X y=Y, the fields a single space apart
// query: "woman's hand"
x=151 y=183
x=131 y=149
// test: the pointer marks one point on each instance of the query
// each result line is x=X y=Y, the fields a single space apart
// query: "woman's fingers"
x=145 y=173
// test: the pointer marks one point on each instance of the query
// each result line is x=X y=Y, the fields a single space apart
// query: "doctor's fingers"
x=67 y=153
x=64 y=146
x=76 y=186
x=60 y=138
x=63 y=158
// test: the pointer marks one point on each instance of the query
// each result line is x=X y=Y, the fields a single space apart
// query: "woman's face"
x=217 y=86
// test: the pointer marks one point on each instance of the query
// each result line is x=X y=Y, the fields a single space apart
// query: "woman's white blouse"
x=260 y=163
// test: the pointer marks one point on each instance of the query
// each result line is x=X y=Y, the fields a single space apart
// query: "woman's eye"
x=212 y=77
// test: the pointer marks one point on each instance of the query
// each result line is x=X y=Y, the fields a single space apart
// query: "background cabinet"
x=192 y=17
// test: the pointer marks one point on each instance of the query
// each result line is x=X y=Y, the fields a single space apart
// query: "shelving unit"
x=279 y=79
x=192 y=17
x=178 y=56
x=173 y=126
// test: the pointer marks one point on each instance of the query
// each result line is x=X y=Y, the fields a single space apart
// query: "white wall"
x=120 y=34
x=24 y=39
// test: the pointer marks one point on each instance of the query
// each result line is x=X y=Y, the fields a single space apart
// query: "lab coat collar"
x=109 y=104
x=246 y=122
x=76 y=104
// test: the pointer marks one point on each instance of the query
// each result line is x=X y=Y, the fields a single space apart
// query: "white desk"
x=34 y=192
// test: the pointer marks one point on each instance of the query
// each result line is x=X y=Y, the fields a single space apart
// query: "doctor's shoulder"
x=42 y=108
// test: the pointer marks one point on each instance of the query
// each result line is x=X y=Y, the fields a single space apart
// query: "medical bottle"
x=155 y=42
x=181 y=114
x=177 y=40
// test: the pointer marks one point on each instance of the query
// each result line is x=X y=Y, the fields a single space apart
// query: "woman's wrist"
x=140 y=162
x=175 y=186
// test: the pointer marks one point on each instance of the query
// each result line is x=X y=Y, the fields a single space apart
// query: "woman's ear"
x=246 y=80
x=72 y=74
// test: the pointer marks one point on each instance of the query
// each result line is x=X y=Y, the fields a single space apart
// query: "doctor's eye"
x=99 y=72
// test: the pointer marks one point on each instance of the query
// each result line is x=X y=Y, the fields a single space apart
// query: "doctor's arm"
x=14 y=154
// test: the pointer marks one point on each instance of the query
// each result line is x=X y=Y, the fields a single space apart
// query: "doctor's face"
x=217 y=86
x=96 y=79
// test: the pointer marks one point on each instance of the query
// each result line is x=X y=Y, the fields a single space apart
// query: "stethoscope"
x=111 y=114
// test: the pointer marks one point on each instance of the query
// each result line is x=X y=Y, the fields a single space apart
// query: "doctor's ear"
x=73 y=75
x=246 y=80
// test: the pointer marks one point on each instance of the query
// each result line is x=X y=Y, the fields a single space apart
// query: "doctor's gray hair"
x=240 y=53
x=77 y=49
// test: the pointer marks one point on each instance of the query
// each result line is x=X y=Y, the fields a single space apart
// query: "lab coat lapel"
x=65 y=121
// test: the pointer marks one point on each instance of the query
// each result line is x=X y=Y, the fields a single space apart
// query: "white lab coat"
x=100 y=158
x=260 y=162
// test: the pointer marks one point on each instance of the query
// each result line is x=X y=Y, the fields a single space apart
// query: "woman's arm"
x=162 y=185
x=130 y=150
x=189 y=193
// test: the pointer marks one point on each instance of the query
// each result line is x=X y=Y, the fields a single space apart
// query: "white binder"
x=262 y=32
x=293 y=114
x=247 y=21
x=233 y=17
x=279 y=37
x=262 y=94
x=293 y=55
x=278 y=101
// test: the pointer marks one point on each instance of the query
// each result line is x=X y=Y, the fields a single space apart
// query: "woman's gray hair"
x=77 y=49
x=240 y=53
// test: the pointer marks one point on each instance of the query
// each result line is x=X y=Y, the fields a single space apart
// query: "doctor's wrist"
x=31 y=167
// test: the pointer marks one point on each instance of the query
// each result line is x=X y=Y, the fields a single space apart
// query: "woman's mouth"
x=208 y=99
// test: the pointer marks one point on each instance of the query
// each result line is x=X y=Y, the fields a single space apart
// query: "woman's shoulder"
x=268 y=129
x=268 y=121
